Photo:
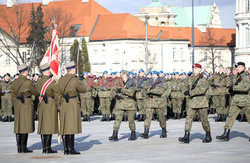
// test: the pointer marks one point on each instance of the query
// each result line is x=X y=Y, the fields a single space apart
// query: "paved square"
x=95 y=147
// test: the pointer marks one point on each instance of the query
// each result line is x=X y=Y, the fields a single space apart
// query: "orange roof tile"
x=84 y=14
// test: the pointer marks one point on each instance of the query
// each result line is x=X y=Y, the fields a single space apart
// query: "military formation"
x=61 y=104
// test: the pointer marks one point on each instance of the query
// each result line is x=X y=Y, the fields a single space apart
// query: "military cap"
x=161 y=72
x=240 y=63
x=176 y=73
x=7 y=74
x=184 y=73
x=173 y=73
x=141 y=70
x=155 y=72
x=167 y=74
x=85 y=73
x=131 y=73
x=105 y=72
x=45 y=67
x=149 y=73
x=121 y=71
x=22 y=68
x=197 y=65
x=70 y=65
x=189 y=72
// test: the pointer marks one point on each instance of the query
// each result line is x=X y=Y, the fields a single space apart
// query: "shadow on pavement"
x=235 y=134
x=197 y=136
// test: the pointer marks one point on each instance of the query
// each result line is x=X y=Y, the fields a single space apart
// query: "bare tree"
x=62 y=19
x=212 y=48
x=14 y=27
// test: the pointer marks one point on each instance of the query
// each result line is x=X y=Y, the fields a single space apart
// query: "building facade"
x=242 y=19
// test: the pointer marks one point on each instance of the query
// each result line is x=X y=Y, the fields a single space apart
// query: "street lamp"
x=192 y=32
x=146 y=40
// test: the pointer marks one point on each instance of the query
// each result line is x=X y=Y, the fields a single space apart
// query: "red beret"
x=197 y=65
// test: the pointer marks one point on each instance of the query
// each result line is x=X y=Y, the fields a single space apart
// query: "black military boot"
x=224 y=136
x=208 y=138
x=219 y=119
x=145 y=134
x=163 y=133
x=43 y=142
x=47 y=142
x=18 y=143
x=103 y=118
x=71 y=140
x=132 y=136
x=108 y=117
x=65 y=144
x=114 y=137
x=84 y=118
x=88 y=118
x=25 y=149
x=185 y=139
x=8 y=118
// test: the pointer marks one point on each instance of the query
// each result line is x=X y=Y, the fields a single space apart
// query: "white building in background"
x=242 y=19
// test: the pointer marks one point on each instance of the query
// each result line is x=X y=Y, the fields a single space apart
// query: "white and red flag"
x=52 y=54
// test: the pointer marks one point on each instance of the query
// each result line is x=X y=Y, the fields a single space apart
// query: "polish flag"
x=51 y=55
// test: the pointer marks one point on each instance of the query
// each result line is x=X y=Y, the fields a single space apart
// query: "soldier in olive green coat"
x=70 y=115
x=240 y=91
x=125 y=104
x=21 y=91
x=47 y=108
x=197 y=88
x=5 y=91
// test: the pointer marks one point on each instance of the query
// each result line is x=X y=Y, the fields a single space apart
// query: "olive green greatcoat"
x=47 y=113
x=70 y=116
x=24 y=112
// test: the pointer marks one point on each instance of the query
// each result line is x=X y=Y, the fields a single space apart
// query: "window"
x=247 y=37
x=247 y=5
x=24 y=57
x=181 y=53
x=156 y=18
x=63 y=56
x=174 y=53
x=7 y=60
x=116 y=56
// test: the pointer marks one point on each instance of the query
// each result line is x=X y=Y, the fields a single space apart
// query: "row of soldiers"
x=154 y=91
x=101 y=100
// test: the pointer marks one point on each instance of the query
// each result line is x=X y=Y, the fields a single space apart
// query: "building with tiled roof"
x=176 y=16
x=117 y=41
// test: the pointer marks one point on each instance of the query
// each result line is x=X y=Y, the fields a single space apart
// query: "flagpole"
x=58 y=114
x=77 y=59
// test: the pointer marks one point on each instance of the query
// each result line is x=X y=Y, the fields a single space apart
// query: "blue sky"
x=227 y=7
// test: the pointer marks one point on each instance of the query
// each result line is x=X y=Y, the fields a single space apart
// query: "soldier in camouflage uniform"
x=105 y=94
x=140 y=81
x=240 y=100
x=197 y=88
x=177 y=96
x=219 y=90
x=6 y=104
x=87 y=99
x=156 y=93
x=125 y=104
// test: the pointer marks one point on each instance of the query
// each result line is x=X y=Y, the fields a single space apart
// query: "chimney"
x=10 y=3
x=85 y=1
x=46 y=2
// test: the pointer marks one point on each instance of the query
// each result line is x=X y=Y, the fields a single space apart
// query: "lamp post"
x=146 y=40
x=192 y=32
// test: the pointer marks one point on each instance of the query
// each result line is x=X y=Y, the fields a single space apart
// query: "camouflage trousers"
x=177 y=105
x=203 y=116
x=6 y=107
x=105 y=104
x=87 y=106
x=119 y=116
x=160 y=114
x=234 y=112
x=141 y=108
x=219 y=102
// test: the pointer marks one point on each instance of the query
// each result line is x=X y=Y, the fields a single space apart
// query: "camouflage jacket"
x=241 y=87
x=5 y=88
x=125 y=99
x=198 y=97
x=177 y=86
x=218 y=83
